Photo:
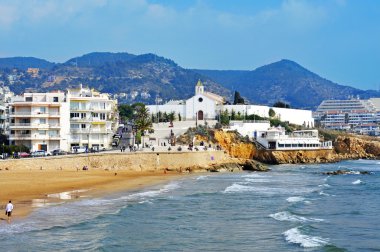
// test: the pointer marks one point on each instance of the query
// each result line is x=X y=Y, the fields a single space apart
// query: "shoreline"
x=34 y=189
x=41 y=181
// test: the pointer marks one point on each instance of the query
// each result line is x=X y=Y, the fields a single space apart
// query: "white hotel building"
x=36 y=120
x=48 y=121
x=93 y=118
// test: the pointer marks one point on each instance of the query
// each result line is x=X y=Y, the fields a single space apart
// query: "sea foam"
x=294 y=235
x=286 y=216
x=201 y=177
x=295 y=199
x=357 y=182
x=238 y=188
x=255 y=175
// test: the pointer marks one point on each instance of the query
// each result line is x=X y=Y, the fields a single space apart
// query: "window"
x=41 y=132
x=82 y=115
x=83 y=126
x=95 y=114
x=200 y=99
x=28 y=99
x=42 y=121
x=74 y=126
x=74 y=115
x=55 y=99
x=102 y=116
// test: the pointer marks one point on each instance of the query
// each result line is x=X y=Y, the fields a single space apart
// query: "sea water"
x=290 y=208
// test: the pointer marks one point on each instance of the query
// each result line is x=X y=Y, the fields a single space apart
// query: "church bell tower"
x=199 y=88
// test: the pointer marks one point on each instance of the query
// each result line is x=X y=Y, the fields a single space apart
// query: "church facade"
x=202 y=106
x=206 y=106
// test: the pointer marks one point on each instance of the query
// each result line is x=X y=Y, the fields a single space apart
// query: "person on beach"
x=8 y=211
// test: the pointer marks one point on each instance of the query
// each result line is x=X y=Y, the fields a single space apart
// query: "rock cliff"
x=345 y=147
x=234 y=144
x=354 y=147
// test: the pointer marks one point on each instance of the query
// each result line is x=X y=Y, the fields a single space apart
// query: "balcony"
x=34 y=114
x=79 y=109
x=34 y=137
x=34 y=125
x=92 y=131
x=78 y=119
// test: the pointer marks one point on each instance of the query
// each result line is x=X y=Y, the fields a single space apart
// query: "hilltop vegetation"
x=143 y=78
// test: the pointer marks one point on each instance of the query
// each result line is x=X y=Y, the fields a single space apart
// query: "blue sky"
x=337 y=39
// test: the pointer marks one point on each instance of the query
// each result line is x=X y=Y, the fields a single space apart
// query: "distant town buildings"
x=360 y=116
x=33 y=72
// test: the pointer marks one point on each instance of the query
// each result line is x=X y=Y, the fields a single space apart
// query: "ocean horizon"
x=290 y=208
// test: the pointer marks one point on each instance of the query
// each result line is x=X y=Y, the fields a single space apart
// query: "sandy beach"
x=30 y=189
x=31 y=183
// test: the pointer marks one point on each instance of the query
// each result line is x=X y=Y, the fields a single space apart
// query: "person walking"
x=8 y=211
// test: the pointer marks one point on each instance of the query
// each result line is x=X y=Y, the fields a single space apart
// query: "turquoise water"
x=291 y=208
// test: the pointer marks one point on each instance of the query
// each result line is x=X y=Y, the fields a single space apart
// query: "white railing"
x=36 y=125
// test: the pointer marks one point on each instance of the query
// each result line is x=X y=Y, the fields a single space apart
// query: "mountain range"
x=143 y=78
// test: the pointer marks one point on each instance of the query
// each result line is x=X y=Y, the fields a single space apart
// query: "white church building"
x=206 y=106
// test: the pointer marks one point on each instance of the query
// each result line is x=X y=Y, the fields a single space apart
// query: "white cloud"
x=8 y=15
x=303 y=13
x=40 y=10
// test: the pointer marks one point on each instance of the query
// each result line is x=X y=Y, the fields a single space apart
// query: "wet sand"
x=30 y=189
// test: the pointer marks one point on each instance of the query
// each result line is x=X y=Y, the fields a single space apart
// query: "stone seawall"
x=139 y=161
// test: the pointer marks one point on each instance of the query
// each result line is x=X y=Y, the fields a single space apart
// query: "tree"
x=171 y=116
x=165 y=117
x=153 y=118
x=142 y=119
x=271 y=113
x=125 y=112
x=224 y=118
x=237 y=98
x=281 y=104
x=233 y=115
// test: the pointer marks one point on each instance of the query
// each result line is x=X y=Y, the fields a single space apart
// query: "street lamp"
x=3 y=149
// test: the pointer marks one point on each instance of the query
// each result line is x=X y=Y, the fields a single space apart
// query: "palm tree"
x=143 y=121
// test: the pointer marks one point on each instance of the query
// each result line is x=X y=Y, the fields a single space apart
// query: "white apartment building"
x=37 y=120
x=49 y=121
x=93 y=118
x=3 y=119
x=348 y=114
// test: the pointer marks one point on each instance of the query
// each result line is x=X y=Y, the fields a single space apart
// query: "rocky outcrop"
x=344 y=172
x=296 y=156
x=345 y=147
x=239 y=165
x=233 y=144
x=351 y=147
